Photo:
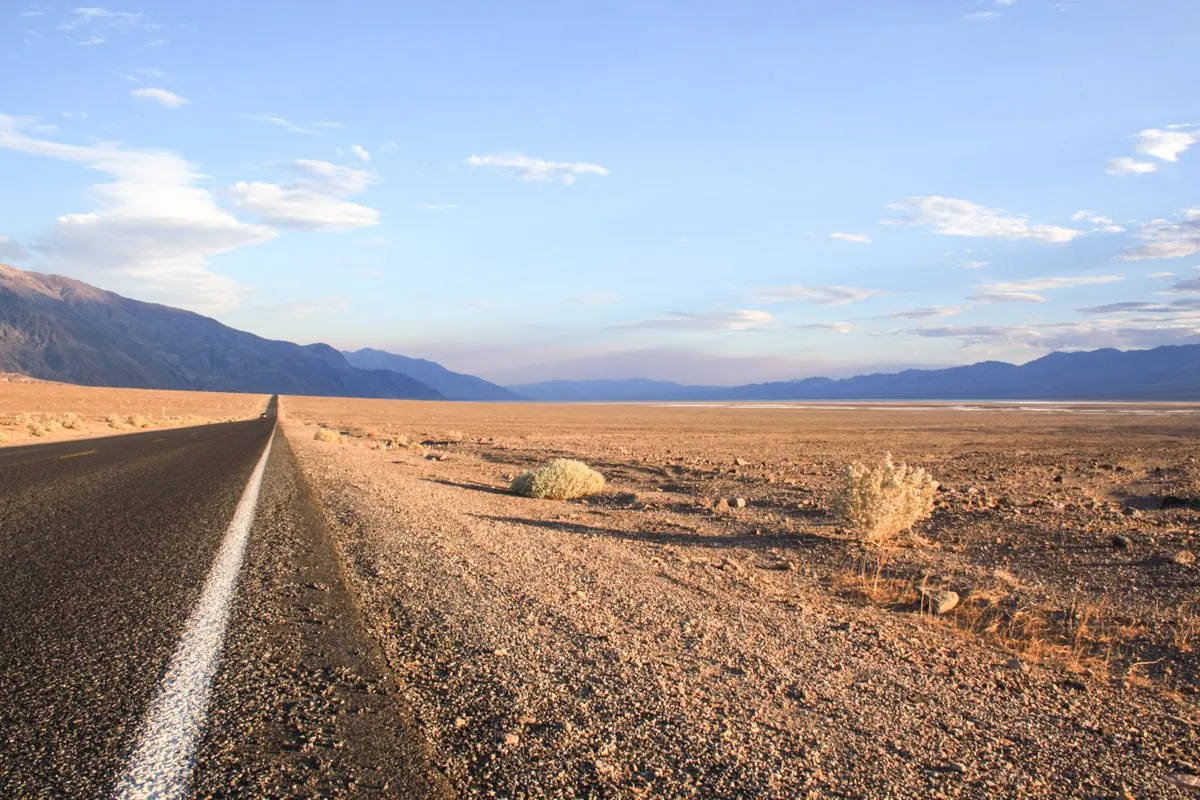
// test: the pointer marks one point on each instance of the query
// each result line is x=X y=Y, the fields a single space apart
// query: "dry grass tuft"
x=328 y=435
x=885 y=500
x=137 y=421
x=561 y=479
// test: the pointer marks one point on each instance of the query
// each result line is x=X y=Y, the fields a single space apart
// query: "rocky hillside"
x=56 y=328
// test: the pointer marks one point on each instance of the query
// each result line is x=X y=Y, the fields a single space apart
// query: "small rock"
x=1184 y=558
x=1132 y=512
x=511 y=739
x=459 y=722
x=721 y=505
x=738 y=502
x=1017 y=665
x=741 y=462
x=939 y=601
x=1121 y=542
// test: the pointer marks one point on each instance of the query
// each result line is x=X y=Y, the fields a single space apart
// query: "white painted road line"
x=160 y=765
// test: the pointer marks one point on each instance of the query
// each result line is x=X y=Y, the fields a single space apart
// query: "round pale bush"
x=562 y=479
x=885 y=500
x=327 y=435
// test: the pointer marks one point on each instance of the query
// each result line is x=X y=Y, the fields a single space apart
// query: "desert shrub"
x=328 y=435
x=137 y=421
x=882 y=501
x=114 y=421
x=453 y=436
x=70 y=421
x=3 y=436
x=561 y=479
x=36 y=430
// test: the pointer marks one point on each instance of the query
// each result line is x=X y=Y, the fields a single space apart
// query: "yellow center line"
x=77 y=455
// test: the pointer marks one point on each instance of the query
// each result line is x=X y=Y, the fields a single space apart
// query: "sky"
x=709 y=192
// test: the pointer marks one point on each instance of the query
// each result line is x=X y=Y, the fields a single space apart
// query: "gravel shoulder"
x=628 y=648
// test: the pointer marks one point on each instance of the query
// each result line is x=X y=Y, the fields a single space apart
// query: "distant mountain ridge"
x=60 y=329
x=451 y=385
x=1170 y=372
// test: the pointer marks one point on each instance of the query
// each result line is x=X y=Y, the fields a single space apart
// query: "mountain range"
x=1170 y=372
x=60 y=329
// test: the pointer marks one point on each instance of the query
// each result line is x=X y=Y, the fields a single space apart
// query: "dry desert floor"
x=32 y=412
x=660 y=640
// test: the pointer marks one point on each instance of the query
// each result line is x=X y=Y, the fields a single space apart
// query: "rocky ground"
x=655 y=641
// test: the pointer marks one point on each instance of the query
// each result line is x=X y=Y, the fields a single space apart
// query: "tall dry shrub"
x=882 y=501
x=561 y=479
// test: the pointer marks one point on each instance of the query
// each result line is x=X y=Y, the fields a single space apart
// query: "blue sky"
x=700 y=191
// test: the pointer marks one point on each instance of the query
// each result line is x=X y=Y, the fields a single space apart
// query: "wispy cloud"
x=1168 y=238
x=154 y=226
x=360 y=153
x=1104 y=223
x=1088 y=334
x=437 y=206
x=93 y=25
x=537 y=170
x=833 y=327
x=315 y=201
x=821 y=295
x=309 y=129
x=1026 y=291
x=926 y=312
x=12 y=250
x=743 y=320
x=974 y=264
x=953 y=217
x=856 y=238
x=161 y=96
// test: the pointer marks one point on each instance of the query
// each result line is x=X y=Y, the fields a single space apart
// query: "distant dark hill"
x=60 y=329
x=1171 y=372
x=452 y=385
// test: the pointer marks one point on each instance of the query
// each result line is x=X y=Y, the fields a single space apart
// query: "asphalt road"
x=106 y=551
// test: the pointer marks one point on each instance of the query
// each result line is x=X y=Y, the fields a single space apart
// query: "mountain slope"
x=1170 y=372
x=452 y=385
x=61 y=329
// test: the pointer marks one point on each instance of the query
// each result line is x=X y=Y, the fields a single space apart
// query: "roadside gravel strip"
x=546 y=657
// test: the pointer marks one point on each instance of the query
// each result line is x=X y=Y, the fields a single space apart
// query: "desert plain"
x=707 y=627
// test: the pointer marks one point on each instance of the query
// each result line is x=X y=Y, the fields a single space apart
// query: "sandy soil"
x=32 y=412
x=650 y=642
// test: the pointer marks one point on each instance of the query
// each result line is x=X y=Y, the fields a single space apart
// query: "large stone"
x=939 y=601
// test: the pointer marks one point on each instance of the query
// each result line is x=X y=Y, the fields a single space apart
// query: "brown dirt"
x=644 y=643
x=28 y=405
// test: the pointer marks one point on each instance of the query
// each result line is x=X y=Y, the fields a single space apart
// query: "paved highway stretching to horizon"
x=173 y=623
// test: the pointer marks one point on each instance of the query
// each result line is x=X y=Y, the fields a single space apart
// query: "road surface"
x=148 y=651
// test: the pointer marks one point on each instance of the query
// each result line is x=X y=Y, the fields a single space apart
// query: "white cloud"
x=1103 y=223
x=983 y=16
x=1088 y=334
x=927 y=312
x=822 y=295
x=952 y=217
x=94 y=24
x=537 y=170
x=1129 y=166
x=153 y=230
x=315 y=201
x=160 y=96
x=1166 y=145
x=12 y=250
x=310 y=129
x=743 y=320
x=1160 y=274
x=834 y=327
x=1027 y=291
x=90 y=41
x=1007 y=297
x=436 y=206
x=1168 y=239
x=360 y=153
x=857 y=238
x=974 y=264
